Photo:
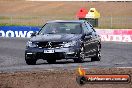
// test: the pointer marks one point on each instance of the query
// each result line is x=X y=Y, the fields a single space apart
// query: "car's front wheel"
x=98 y=54
x=31 y=62
x=81 y=56
x=51 y=61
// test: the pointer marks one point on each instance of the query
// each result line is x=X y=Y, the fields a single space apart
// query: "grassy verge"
x=7 y=24
x=114 y=27
x=31 y=24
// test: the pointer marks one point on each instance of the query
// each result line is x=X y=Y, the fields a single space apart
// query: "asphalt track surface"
x=114 y=54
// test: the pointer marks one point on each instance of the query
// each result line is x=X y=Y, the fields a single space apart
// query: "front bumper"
x=59 y=53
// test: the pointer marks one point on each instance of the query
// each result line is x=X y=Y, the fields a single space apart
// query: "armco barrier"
x=119 y=35
x=17 y=31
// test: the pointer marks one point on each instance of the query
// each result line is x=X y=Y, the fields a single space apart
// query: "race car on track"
x=61 y=39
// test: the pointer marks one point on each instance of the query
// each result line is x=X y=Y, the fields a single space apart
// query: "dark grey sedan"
x=60 y=39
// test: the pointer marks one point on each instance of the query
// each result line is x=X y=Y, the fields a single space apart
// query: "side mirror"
x=33 y=34
x=88 y=35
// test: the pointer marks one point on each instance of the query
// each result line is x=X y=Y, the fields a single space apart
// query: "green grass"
x=4 y=17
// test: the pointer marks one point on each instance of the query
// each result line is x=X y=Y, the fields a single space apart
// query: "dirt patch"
x=113 y=14
x=63 y=9
x=58 y=79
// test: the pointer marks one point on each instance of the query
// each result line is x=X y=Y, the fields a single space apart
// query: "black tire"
x=51 y=61
x=81 y=56
x=98 y=54
x=31 y=61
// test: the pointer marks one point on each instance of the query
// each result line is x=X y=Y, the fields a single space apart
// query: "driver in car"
x=55 y=29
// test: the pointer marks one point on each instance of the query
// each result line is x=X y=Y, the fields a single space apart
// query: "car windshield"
x=61 y=27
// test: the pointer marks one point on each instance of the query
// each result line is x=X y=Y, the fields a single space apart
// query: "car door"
x=87 y=40
x=94 y=39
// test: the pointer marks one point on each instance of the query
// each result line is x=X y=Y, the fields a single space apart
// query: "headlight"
x=73 y=43
x=31 y=44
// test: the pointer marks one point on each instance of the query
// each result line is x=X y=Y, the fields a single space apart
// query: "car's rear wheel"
x=98 y=54
x=81 y=56
x=51 y=61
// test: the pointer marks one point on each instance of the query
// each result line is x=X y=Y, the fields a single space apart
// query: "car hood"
x=56 y=37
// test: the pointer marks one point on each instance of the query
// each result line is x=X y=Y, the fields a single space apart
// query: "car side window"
x=85 y=29
x=90 y=27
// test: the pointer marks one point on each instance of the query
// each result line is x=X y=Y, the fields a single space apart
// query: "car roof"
x=74 y=21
